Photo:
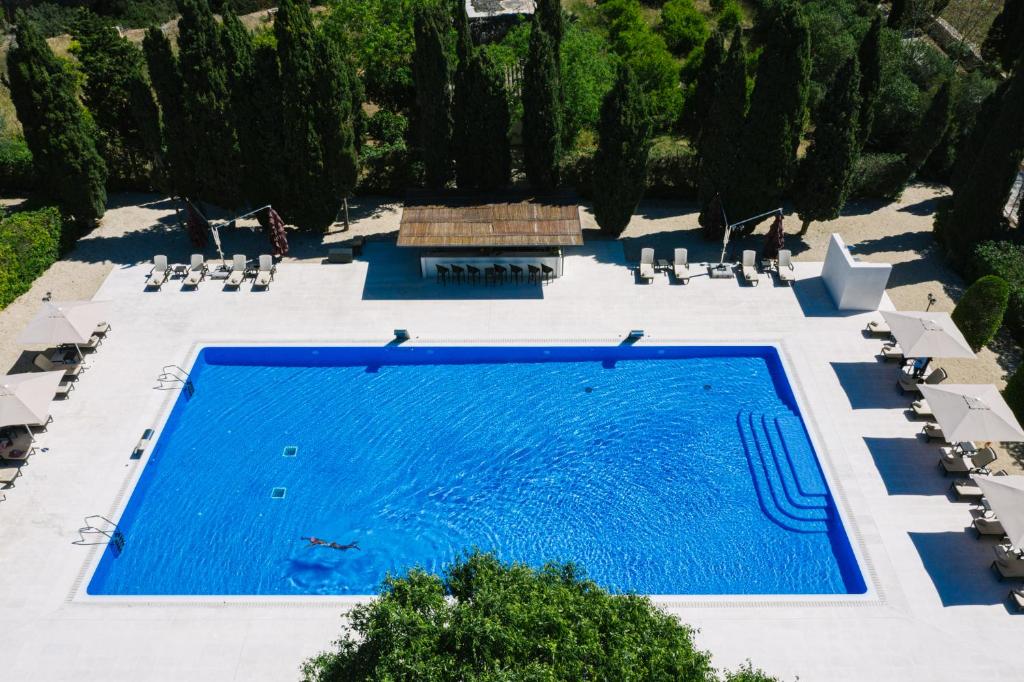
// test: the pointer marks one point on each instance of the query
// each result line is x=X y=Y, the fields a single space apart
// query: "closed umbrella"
x=197 y=226
x=25 y=398
x=278 y=236
x=970 y=412
x=775 y=240
x=67 y=322
x=1005 y=495
x=927 y=335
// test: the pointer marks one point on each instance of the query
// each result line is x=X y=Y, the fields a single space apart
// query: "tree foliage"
x=29 y=244
x=588 y=73
x=1005 y=40
x=979 y=313
x=620 y=164
x=684 y=28
x=117 y=93
x=924 y=140
x=698 y=102
x=432 y=75
x=777 y=107
x=542 y=109
x=823 y=179
x=869 y=57
x=57 y=128
x=483 y=620
x=177 y=166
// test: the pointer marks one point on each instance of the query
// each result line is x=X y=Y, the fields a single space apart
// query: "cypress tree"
x=550 y=14
x=207 y=103
x=335 y=125
x=238 y=60
x=716 y=146
x=431 y=73
x=980 y=199
x=542 y=110
x=973 y=139
x=699 y=103
x=774 y=123
x=57 y=128
x=869 y=57
x=927 y=136
x=1005 y=39
x=177 y=165
x=118 y=95
x=899 y=14
x=823 y=178
x=620 y=163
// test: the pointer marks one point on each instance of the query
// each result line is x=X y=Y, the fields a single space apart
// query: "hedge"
x=979 y=314
x=873 y=176
x=29 y=244
x=1004 y=260
x=671 y=171
x=16 y=171
x=1013 y=394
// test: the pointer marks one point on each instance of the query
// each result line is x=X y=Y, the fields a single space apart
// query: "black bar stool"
x=442 y=274
x=515 y=272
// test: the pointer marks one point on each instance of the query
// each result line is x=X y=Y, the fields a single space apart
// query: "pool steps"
x=789 y=484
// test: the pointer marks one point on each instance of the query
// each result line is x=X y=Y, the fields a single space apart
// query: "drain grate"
x=278 y=493
x=290 y=451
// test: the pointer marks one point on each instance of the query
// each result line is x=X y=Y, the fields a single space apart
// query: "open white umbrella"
x=25 y=398
x=969 y=412
x=1005 y=494
x=927 y=335
x=66 y=322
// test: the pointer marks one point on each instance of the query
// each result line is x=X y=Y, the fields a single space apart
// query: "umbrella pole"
x=81 y=357
x=31 y=435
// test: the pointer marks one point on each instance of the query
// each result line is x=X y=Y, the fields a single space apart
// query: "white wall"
x=853 y=285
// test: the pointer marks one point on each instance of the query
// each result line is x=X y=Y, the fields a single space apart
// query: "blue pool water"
x=674 y=470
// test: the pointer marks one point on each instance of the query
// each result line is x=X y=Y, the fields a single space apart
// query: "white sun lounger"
x=160 y=272
x=892 y=352
x=988 y=525
x=921 y=409
x=44 y=363
x=787 y=275
x=1009 y=562
x=908 y=382
x=647 y=264
x=265 y=274
x=749 y=268
x=237 y=275
x=196 y=271
x=681 y=266
x=953 y=462
x=879 y=328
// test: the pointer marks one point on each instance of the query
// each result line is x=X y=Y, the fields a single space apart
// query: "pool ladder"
x=173 y=374
x=111 y=532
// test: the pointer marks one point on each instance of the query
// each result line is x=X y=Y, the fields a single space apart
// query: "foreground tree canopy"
x=484 y=620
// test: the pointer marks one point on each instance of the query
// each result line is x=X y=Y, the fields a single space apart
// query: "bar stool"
x=546 y=272
x=515 y=272
x=534 y=274
x=500 y=272
x=472 y=272
x=442 y=274
x=458 y=272
x=490 y=276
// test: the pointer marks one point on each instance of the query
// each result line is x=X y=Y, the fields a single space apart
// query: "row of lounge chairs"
x=197 y=271
x=681 y=271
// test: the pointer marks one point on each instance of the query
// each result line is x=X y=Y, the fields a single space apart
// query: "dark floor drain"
x=278 y=493
x=290 y=451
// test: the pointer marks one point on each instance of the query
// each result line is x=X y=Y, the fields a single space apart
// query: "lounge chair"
x=989 y=525
x=1009 y=562
x=8 y=472
x=953 y=462
x=908 y=382
x=1017 y=599
x=921 y=408
x=237 y=275
x=92 y=344
x=749 y=268
x=71 y=371
x=646 y=271
x=968 y=490
x=17 y=445
x=63 y=389
x=196 y=271
x=787 y=275
x=265 y=273
x=892 y=352
x=933 y=431
x=878 y=328
x=159 y=274
x=681 y=266
x=101 y=329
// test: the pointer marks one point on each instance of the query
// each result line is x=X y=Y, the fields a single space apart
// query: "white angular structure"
x=853 y=285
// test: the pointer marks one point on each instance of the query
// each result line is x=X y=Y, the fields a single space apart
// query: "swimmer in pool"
x=317 y=542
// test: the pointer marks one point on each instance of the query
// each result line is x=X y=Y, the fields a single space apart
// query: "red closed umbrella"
x=278 y=236
x=197 y=226
x=774 y=240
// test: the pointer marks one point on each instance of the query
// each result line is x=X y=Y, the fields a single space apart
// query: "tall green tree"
x=432 y=76
x=117 y=94
x=723 y=125
x=823 y=179
x=869 y=57
x=542 y=109
x=778 y=105
x=318 y=159
x=549 y=12
x=620 y=163
x=207 y=103
x=980 y=198
x=698 y=103
x=57 y=128
x=176 y=167
x=1005 y=39
x=974 y=138
x=924 y=140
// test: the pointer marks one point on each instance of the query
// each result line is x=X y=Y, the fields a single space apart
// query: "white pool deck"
x=935 y=611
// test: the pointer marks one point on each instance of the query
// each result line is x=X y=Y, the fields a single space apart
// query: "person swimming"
x=317 y=542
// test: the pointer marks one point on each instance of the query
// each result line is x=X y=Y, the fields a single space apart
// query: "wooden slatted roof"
x=474 y=222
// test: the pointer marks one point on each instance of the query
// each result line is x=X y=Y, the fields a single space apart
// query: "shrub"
x=979 y=314
x=874 y=175
x=1006 y=261
x=1013 y=394
x=16 y=172
x=29 y=243
x=388 y=128
x=671 y=170
x=484 y=620
x=683 y=26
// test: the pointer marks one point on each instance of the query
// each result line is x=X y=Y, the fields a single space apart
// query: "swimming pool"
x=660 y=470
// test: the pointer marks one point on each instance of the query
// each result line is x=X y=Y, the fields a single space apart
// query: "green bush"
x=671 y=170
x=29 y=243
x=388 y=128
x=16 y=171
x=874 y=175
x=683 y=26
x=1006 y=261
x=1013 y=394
x=484 y=620
x=979 y=314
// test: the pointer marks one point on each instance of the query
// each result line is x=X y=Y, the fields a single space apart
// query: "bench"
x=339 y=255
